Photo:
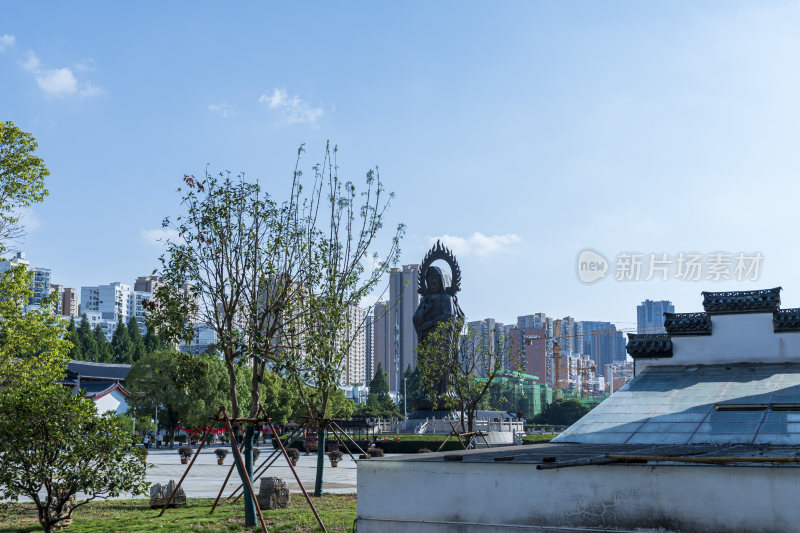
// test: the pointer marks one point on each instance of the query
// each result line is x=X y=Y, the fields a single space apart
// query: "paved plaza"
x=206 y=476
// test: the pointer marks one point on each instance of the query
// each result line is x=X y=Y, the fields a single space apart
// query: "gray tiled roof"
x=649 y=345
x=99 y=370
x=713 y=404
x=758 y=301
x=687 y=324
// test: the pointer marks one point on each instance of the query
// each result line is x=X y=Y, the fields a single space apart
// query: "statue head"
x=434 y=278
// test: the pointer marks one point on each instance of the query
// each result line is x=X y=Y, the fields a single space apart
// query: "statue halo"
x=439 y=251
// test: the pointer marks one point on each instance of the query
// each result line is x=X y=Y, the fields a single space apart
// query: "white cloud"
x=58 y=82
x=6 y=41
x=224 y=110
x=294 y=110
x=160 y=236
x=29 y=220
x=479 y=244
x=85 y=65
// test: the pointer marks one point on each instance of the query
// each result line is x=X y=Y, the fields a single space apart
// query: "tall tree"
x=121 y=344
x=54 y=443
x=470 y=362
x=378 y=386
x=104 y=352
x=88 y=343
x=22 y=175
x=239 y=254
x=343 y=269
x=76 y=353
x=137 y=341
x=153 y=341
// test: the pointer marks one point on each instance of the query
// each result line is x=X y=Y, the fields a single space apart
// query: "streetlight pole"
x=405 y=398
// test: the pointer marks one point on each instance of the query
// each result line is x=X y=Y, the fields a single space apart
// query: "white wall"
x=745 y=338
x=114 y=401
x=397 y=495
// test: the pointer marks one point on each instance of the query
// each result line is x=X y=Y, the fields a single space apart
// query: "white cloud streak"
x=6 y=41
x=223 y=109
x=479 y=244
x=159 y=236
x=293 y=110
x=58 y=82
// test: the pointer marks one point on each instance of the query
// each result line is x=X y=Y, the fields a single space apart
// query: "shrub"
x=185 y=452
x=413 y=446
x=294 y=453
x=375 y=452
x=335 y=455
x=256 y=453
x=424 y=450
x=222 y=453
x=534 y=439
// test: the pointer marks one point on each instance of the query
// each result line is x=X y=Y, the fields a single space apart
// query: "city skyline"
x=520 y=151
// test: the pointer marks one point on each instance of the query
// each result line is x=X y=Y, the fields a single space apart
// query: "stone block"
x=159 y=494
x=273 y=494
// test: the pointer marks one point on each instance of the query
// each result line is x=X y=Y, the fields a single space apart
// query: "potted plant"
x=294 y=455
x=222 y=453
x=375 y=452
x=185 y=452
x=335 y=456
x=256 y=453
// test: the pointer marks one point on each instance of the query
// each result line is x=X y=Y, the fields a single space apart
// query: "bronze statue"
x=439 y=302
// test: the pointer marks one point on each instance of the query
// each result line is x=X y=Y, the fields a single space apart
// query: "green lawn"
x=338 y=512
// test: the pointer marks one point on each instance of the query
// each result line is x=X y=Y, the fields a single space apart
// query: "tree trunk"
x=246 y=469
x=320 y=461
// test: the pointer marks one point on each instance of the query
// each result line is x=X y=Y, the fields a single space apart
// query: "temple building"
x=706 y=437
x=104 y=383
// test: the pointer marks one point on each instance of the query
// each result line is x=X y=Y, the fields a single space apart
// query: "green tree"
x=139 y=349
x=22 y=175
x=410 y=386
x=279 y=398
x=181 y=388
x=342 y=269
x=87 y=340
x=55 y=445
x=470 y=361
x=104 y=352
x=76 y=352
x=153 y=341
x=378 y=386
x=561 y=412
x=53 y=442
x=121 y=344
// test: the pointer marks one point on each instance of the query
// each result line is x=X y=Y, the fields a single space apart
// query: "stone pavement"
x=206 y=476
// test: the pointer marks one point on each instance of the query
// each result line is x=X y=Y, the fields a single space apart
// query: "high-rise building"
x=40 y=282
x=69 y=302
x=394 y=327
x=354 y=371
x=58 y=289
x=650 y=316
x=110 y=302
x=369 y=347
x=383 y=337
x=148 y=283
x=602 y=343
x=531 y=344
x=492 y=335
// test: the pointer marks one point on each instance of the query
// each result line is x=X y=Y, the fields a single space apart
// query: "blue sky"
x=520 y=132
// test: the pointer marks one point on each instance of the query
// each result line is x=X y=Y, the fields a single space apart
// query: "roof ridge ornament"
x=738 y=302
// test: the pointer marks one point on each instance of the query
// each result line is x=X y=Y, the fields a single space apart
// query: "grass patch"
x=537 y=439
x=338 y=511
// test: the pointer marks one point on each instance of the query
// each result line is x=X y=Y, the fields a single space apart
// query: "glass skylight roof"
x=715 y=404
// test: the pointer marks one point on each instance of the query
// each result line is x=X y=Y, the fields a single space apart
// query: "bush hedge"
x=415 y=445
x=537 y=439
